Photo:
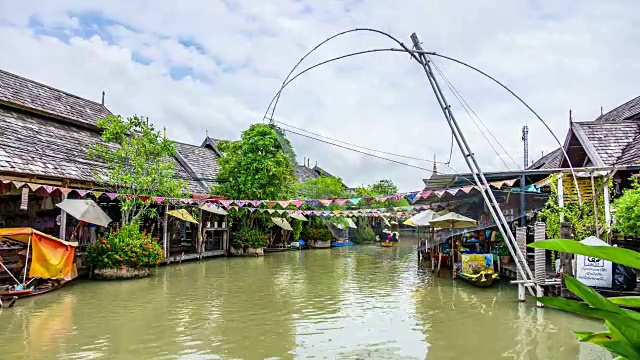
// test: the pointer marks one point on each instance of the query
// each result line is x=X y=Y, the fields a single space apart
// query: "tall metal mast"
x=474 y=167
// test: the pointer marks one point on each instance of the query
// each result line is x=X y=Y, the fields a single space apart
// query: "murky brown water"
x=358 y=302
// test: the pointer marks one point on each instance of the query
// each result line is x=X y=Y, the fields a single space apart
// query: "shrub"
x=364 y=233
x=125 y=247
x=250 y=237
x=316 y=234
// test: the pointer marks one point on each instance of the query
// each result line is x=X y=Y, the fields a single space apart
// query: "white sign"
x=593 y=271
x=24 y=200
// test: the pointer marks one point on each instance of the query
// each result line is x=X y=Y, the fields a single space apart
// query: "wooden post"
x=521 y=242
x=566 y=232
x=595 y=205
x=63 y=221
x=200 y=238
x=165 y=231
x=540 y=264
x=607 y=208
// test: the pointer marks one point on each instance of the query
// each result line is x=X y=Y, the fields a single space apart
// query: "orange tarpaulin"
x=51 y=258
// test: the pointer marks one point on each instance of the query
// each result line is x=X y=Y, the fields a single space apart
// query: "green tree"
x=384 y=187
x=138 y=164
x=322 y=187
x=258 y=167
x=628 y=210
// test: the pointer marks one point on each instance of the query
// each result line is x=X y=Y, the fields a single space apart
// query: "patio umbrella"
x=282 y=223
x=298 y=217
x=182 y=214
x=85 y=210
x=421 y=219
x=213 y=209
x=351 y=224
x=453 y=221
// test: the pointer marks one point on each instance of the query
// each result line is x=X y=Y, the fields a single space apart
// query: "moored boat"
x=342 y=243
x=484 y=279
x=477 y=269
x=388 y=243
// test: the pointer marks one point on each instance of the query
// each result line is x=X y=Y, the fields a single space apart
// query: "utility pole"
x=523 y=197
x=478 y=175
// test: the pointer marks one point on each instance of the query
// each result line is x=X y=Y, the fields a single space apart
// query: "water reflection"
x=360 y=302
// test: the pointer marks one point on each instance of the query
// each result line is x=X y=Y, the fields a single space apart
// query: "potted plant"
x=502 y=250
x=249 y=241
x=126 y=253
x=318 y=237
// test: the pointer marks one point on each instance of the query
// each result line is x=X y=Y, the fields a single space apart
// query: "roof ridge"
x=602 y=116
x=53 y=88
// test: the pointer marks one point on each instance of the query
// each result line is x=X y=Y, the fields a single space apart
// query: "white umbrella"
x=85 y=210
x=453 y=221
x=282 y=223
x=213 y=209
x=421 y=219
x=298 y=217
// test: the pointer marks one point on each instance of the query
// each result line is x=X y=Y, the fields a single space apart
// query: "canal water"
x=361 y=302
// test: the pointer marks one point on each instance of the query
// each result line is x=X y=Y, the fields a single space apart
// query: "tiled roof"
x=550 y=161
x=203 y=161
x=628 y=110
x=35 y=145
x=16 y=91
x=304 y=173
x=608 y=139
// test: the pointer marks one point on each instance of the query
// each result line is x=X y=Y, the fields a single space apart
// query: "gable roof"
x=606 y=141
x=34 y=145
x=550 y=161
x=32 y=96
x=201 y=161
x=626 y=111
x=304 y=173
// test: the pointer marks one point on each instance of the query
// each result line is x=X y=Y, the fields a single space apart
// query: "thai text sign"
x=593 y=271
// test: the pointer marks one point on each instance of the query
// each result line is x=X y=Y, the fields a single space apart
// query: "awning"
x=282 y=223
x=182 y=214
x=213 y=209
x=51 y=258
x=298 y=217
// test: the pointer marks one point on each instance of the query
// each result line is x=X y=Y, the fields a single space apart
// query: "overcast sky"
x=194 y=66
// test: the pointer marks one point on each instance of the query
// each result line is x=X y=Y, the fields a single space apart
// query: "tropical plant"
x=125 y=247
x=250 y=237
x=322 y=187
x=138 y=164
x=364 y=233
x=297 y=229
x=317 y=234
x=623 y=335
x=259 y=166
x=628 y=211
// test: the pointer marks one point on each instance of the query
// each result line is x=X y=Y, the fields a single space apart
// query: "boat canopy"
x=51 y=258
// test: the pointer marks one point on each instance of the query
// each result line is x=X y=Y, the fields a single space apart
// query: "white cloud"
x=231 y=57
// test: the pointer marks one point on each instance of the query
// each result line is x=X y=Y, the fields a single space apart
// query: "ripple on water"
x=349 y=303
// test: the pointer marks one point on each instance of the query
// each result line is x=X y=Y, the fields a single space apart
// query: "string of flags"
x=275 y=205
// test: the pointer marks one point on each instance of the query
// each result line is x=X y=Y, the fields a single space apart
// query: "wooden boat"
x=269 y=249
x=43 y=289
x=484 y=279
x=388 y=243
x=342 y=243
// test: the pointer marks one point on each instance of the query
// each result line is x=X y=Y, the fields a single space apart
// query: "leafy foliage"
x=257 y=166
x=322 y=187
x=297 y=229
x=364 y=233
x=250 y=237
x=628 y=210
x=137 y=157
x=623 y=337
x=384 y=187
x=125 y=247
x=581 y=217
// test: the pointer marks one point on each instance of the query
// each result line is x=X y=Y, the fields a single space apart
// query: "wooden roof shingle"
x=22 y=93
x=626 y=111
x=203 y=161
x=608 y=139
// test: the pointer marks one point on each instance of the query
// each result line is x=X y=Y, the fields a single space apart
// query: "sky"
x=200 y=67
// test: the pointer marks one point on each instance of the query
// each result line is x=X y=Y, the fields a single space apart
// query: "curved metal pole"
x=412 y=53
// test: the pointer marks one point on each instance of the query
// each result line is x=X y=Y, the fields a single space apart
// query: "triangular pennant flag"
x=157 y=199
x=337 y=212
x=226 y=203
x=497 y=184
x=453 y=191
x=284 y=203
x=34 y=187
x=511 y=182
x=255 y=203
x=280 y=211
x=326 y=202
x=241 y=202
x=144 y=198
x=270 y=211
x=271 y=203
x=82 y=193
x=18 y=184
x=355 y=200
x=97 y=194
x=439 y=193
x=289 y=212
x=313 y=203
x=262 y=210
x=340 y=201
x=297 y=203
x=412 y=197
x=425 y=194
x=383 y=198
x=466 y=189
x=368 y=200
x=110 y=195
x=49 y=189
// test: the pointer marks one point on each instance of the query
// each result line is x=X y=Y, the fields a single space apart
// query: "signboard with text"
x=593 y=271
